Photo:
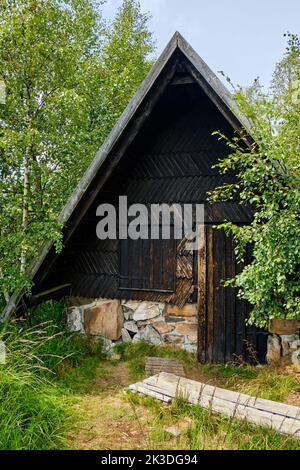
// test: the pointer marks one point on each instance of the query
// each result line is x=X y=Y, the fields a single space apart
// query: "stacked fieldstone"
x=284 y=341
x=154 y=322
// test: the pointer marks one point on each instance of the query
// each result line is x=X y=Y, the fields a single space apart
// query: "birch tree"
x=68 y=77
x=268 y=175
x=48 y=51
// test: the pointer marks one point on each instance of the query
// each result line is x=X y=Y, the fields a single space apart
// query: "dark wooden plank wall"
x=171 y=160
x=224 y=335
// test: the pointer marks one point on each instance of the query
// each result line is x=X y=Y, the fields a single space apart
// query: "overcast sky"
x=244 y=38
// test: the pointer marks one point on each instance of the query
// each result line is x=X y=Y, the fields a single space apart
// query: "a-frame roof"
x=206 y=78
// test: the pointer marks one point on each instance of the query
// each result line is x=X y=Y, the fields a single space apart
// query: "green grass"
x=44 y=363
x=266 y=382
x=209 y=431
x=32 y=412
x=71 y=359
x=48 y=370
x=78 y=379
x=228 y=371
x=215 y=431
x=135 y=354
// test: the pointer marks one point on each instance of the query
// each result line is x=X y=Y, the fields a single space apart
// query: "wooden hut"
x=160 y=151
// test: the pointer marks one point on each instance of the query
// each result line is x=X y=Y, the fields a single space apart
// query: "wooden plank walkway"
x=155 y=365
x=164 y=386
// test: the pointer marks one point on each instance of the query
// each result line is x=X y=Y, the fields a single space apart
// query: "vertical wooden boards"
x=240 y=315
x=201 y=292
x=147 y=265
x=210 y=295
x=225 y=336
x=230 y=300
x=219 y=313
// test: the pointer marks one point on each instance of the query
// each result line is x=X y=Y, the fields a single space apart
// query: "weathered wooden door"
x=223 y=334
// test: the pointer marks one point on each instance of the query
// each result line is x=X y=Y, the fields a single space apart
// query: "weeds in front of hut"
x=135 y=355
x=54 y=381
x=267 y=382
x=207 y=430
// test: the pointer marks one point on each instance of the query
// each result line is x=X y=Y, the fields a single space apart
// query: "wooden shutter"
x=147 y=265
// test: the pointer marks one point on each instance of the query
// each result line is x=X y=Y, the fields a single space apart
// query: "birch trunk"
x=25 y=215
x=5 y=291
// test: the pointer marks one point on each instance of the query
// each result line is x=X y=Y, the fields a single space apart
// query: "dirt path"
x=107 y=418
x=294 y=396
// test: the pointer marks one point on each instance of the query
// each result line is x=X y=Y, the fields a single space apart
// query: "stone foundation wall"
x=280 y=346
x=154 y=322
x=284 y=341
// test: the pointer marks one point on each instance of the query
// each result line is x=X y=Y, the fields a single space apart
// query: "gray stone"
x=142 y=323
x=295 y=345
x=189 y=310
x=131 y=326
x=75 y=319
x=161 y=306
x=151 y=336
x=274 y=349
x=173 y=319
x=146 y=311
x=296 y=357
x=174 y=339
x=286 y=342
x=192 y=348
x=188 y=329
x=130 y=305
x=289 y=338
x=136 y=338
x=180 y=427
x=126 y=338
x=289 y=326
x=128 y=314
x=107 y=344
x=163 y=327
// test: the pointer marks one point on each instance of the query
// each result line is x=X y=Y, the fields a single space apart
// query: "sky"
x=243 y=38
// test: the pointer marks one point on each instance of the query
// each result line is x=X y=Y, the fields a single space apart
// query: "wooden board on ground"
x=155 y=365
x=279 y=416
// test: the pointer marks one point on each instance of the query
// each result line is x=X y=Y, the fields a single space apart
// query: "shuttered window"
x=147 y=265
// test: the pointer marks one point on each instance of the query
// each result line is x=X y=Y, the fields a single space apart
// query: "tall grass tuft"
x=40 y=356
x=64 y=350
x=32 y=414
